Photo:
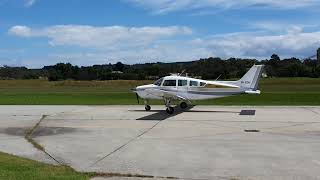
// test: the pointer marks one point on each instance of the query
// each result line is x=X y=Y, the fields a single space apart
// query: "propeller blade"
x=137 y=98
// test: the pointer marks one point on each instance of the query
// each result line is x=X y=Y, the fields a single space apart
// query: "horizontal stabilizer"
x=253 y=92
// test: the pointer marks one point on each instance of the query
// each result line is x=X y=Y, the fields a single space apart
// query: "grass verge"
x=275 y=91
x=16 y=168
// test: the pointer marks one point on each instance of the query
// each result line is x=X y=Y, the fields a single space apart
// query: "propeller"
x=137 y=98
x=135 y=90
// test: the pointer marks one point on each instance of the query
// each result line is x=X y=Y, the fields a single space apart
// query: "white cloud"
x=244 y=45
x=29 y=3
x=22 y=31
x=25 y=3
x=259 y=45
x=165 y=6
x=151 y=44
x=282 y=27
x=108 y=37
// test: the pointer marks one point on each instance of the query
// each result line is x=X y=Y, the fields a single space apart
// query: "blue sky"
x=35 y=33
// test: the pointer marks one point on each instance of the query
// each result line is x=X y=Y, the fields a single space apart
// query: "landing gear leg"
x=170 y=110
x=147 y=107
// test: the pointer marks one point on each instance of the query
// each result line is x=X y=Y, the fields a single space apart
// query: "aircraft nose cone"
x=138 y=88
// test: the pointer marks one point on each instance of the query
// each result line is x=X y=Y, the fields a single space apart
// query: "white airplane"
x=185 y=89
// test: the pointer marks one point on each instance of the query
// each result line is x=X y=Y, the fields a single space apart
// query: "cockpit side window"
x=158 y=82
x=182 y=82
x=193 y=83
x=169 y=83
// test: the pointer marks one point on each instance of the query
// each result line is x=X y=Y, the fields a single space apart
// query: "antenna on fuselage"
x=182 y=72
x=218 y=77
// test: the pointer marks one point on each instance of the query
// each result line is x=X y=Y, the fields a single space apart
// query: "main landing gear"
x=169 y=109
x=183 y=105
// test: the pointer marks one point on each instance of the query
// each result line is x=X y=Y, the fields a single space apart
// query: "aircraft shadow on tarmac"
x=161 y=115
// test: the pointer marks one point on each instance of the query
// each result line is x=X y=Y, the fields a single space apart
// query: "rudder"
x=251 y=79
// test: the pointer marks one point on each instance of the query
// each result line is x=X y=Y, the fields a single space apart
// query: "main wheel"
x=170 y=110
x=183 y=105
x=147 y=108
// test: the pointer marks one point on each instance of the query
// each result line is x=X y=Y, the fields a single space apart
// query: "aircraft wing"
x=222 y=84
x=166 y=94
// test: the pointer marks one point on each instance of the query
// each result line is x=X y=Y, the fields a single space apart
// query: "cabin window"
x=193 y=83
x=169 y=83
x=202 y=84
x=158 y=82
x=182 y=83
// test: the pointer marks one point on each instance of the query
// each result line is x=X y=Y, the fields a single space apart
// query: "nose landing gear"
x=147 y=107
x=170 y=110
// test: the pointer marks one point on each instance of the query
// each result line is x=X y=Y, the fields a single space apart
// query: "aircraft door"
x=183 y=85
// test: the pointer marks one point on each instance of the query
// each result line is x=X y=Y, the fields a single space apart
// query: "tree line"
x=208 y=68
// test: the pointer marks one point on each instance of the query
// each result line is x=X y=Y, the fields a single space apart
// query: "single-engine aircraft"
x=185 y=89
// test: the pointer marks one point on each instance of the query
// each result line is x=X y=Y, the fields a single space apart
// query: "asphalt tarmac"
x=204 y=142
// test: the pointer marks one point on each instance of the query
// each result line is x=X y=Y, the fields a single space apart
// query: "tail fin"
x=251 y=78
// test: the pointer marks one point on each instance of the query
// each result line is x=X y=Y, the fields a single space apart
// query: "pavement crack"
x=311 y=110
x=35 y=144
x=125 y=144
x=109 y=175
x=28 y=135
x=288 y=126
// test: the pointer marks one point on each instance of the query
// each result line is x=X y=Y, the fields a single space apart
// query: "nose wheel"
x=169 y=109
x=147 y=107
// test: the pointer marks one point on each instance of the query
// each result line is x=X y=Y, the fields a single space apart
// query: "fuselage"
x=188 y=88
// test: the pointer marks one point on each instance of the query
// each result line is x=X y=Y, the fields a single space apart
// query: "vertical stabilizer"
x=251 y=79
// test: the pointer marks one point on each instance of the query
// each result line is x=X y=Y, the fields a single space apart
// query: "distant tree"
x=62 y=71
x=290 y=68
x=207 y=68
x=275 y=59
x=318 y=55
x=54 y=75
x=119 y=66
x=272 y=66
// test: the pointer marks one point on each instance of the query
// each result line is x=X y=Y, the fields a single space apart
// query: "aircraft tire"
x=183 y=105
x=147 y=107
x=170 y=110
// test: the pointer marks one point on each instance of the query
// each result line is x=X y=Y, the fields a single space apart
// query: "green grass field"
x=16 y=168
x=277 y=91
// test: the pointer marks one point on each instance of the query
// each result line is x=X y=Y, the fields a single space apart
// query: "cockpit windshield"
x=158 y=82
